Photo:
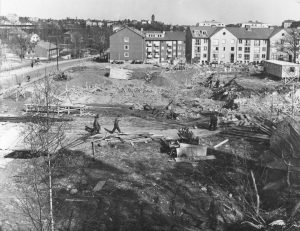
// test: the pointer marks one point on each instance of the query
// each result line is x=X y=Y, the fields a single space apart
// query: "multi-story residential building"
x=252 y=44
x=278 y=40
x=287 y=23
x=164 y=46
x=197 y=43
x=211 y=23
x=254 y=24
x=222 y=46
x=130 y=44
x=127 y=44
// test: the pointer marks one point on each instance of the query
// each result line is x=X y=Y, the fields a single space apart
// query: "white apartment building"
x=254 y=24
x=211 y=23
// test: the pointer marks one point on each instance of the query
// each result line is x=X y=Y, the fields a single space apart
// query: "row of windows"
x=255 y=42
x=198 y=49
x=198 y=41
x=255 y=56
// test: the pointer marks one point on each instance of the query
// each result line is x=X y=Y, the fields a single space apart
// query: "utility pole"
x=55 y=36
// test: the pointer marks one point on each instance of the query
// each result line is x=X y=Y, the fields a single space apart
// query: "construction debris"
x=118 y=73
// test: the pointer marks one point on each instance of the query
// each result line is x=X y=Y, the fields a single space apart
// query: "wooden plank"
x=194 y=159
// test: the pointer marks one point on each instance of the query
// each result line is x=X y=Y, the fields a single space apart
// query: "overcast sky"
x=186 y=12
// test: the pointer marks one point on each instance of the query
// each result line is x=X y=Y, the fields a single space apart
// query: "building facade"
x=253 y=24
x=211 y=23
x=127 y=44
x=151 y=46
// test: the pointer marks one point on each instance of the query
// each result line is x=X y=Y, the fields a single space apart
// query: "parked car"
x=136 y=62
x=117 y=62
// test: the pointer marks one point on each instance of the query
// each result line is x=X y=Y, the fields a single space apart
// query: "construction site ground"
x=141 y=188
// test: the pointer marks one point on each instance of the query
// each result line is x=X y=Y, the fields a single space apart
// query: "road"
x=9 y=80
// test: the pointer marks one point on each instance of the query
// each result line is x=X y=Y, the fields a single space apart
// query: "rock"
x=277 y=223
x=73 y=191
x=99 y=186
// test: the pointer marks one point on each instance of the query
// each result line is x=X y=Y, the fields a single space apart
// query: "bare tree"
x=289 y=45
x=44 y=138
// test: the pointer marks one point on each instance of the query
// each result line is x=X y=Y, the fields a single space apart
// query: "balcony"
x=149 y=44
x=149 y=49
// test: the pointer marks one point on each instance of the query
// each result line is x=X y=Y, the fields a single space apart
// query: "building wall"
x=127 y=45
x=200 y=50
x=251 y=50
x=188 y=46
x=223 y=47
x=273 y=52
x=163 y=50
x=282 y=71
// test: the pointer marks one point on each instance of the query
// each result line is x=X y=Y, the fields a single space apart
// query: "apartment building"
x=164 y=46
x=254 y=24
x=222 y=46
x=153 y=46
x=252 y=43
x=277 y=40
x=211 y=23
x=287 y=23
x=198 y=43
x=127 y=44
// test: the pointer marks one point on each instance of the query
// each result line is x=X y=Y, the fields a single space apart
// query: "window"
x=263 y=56
x=256 y=43
x=292 y=69
x=204 y=55
x=240 y=56
x=248 y=43
x=256 y=56
x=264 y=49
x=247 y=49
x=215 y=56
x=247 y=57
x=223 y=41
x=216 y=48
x=205 y=48
x=198 y=49
x=179 y=42
x=126 y=39
x=126 y=54
x=224 y=33
x=224 y=48
x=232 y=41
x=215 y=42
x=197 y=41
x=205 y=40
x=240 y=41
x=256 y=49
x=126 y=47
x=232 y=49
x=240 y=48
x=282 y=41
x=179 y=53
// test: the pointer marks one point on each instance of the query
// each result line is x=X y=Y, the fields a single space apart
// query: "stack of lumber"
x=246 y=133
x=118 y=73
x=122 y=138
x=264 y=125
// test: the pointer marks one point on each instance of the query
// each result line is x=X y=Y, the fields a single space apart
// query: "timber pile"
x=123 y=138
x=250 y=134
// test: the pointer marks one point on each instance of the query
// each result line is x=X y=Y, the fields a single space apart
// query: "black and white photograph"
x=138 y=115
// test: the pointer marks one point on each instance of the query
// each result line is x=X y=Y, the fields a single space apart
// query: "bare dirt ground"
x=142 y=188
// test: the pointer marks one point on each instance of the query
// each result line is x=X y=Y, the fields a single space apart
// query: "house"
x=282 y=69
x=253 y=24
x=164 y=45
x=211 y=23
x=197 y=43
x=252 y=45
x=45 y=51
x=127 y=44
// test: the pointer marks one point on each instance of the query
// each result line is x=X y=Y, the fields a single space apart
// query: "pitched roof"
x=209 y=31
x=140 y=33
x=254 y=33
x=169 y=35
